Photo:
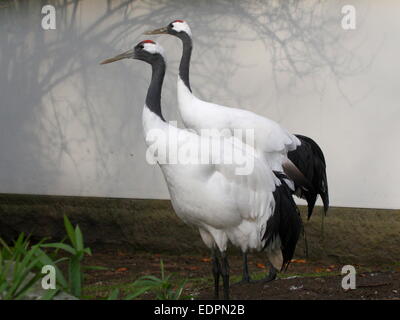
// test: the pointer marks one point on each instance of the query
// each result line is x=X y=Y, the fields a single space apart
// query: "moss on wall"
x=347 y=235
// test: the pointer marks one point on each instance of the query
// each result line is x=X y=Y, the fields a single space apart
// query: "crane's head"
x=177 y=28
x=147 y=50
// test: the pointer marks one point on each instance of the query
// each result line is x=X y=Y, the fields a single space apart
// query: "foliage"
x=21 y=264
x=20 y=268
x=163 y=288
x=76 y=251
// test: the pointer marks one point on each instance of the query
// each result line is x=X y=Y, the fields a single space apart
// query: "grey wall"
x=72 y=127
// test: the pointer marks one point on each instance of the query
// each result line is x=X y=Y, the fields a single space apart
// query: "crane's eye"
x=141 y=47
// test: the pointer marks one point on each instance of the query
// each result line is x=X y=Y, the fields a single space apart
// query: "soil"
x=303 y=279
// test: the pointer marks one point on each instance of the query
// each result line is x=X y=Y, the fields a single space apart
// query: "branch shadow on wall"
x=66 y=114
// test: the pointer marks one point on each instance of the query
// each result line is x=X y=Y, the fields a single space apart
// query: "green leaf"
x=179 y=290
x=70 y=231
x=78 y=239
x=49 y=294
x=152 y=283
x=63 y=246
x=162 y=268
x=75 y=277
x=61 y=260
x=21 y=272
x=114 y=295
x=46 y=260
x=150 y=277
x=95 y=268
x=21 y=293
x=19 y=243
x=5 y=246
x=137 y=293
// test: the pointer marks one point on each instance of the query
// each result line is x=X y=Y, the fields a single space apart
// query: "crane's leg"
x=225 y=274
x=246 y=276
x=216 y=270
x=271 y=275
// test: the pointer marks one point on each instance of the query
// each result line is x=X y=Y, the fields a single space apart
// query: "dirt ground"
x=302 y=280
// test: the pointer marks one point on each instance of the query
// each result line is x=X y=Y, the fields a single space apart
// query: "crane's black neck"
x=185 y=60
x=153 y=98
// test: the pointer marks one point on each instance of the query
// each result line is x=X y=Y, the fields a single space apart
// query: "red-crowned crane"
x=254 y=211
x=298 y=156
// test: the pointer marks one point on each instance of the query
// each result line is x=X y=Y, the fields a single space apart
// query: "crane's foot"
x=270 y=277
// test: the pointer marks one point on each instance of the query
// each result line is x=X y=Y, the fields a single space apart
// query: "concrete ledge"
x=347 y=235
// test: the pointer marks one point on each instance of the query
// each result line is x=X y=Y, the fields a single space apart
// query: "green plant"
x=163 y=288
x=77 y=251
x=21 y=264
x=20 y=269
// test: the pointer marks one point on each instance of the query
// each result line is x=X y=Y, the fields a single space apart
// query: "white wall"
x=72 y=127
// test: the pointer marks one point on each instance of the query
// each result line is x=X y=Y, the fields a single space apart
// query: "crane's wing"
x=269 y=137
x=248 y=180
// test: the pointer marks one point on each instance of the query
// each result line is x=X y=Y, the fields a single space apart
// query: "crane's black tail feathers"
x=285 y=222
x=310 y=160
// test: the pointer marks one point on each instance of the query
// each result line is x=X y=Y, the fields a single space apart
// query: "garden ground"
x=145 y=231
x=303 y=279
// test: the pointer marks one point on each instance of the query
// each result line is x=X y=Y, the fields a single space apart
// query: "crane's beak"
x=126 y=55
x=157 y=31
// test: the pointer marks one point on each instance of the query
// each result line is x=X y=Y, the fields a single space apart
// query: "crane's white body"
x=270 y=139
x=221 y=204
x=216 y=196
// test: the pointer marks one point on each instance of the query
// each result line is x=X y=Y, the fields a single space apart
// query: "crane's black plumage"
x=310 y=160
x=285 y=222
x=185 y=60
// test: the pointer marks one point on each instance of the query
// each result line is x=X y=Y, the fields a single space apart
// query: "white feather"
x=221 y=204
x=154 y=48
x=270 y=139
x=181 y=26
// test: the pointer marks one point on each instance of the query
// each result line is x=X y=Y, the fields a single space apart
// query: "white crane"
x=254 y=211
x=298 y=156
